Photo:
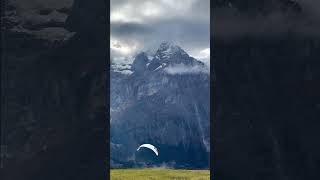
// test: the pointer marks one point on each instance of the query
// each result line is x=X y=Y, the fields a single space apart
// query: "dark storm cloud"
x=295 y=17
x=147 y=24
x=311 y=9
x=189 y=34
x=122 y=29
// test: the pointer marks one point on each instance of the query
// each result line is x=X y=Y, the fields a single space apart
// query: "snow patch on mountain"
x=122 y=65
x=185 y=69
x=169 y=58
x=159 y=102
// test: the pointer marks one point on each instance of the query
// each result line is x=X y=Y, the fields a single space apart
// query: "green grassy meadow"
x=159 y=174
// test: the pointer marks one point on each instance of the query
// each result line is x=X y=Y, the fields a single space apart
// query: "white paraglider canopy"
x=149 y=146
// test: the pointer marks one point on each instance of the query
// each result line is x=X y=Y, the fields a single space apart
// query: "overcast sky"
x=230 y=21
x=141 y=25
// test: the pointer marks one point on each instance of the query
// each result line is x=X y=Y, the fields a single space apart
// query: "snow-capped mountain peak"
x=161 y=96
x=168 y=55
x=168 y=49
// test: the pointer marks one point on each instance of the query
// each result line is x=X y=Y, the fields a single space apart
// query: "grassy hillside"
x=159 y=174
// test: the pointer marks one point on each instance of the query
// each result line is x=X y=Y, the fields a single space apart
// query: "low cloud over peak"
x=143 y=26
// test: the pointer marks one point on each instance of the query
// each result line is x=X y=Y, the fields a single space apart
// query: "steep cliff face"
x=165 y=102
x=53 y=87
x=267 y=96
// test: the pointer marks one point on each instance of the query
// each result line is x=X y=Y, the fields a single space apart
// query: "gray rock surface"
x=170 y=109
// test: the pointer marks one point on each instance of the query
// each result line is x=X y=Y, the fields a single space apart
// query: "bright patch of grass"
x=159 y=174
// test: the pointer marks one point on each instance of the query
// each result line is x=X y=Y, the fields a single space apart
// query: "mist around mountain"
x=162 y=99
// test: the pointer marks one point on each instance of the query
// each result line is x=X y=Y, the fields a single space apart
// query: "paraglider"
x=149 y=146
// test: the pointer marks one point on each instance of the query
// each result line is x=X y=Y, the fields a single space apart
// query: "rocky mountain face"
x=267 y=98
x=53 y=84
x=165 y=101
